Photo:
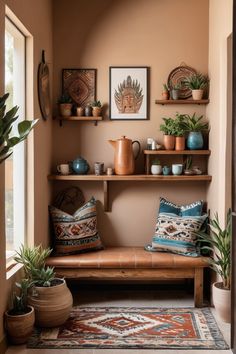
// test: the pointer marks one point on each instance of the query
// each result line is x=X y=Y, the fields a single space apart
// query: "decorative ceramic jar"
x=80 y=166
x=65 y=109
x=88 y=111
x=156 y=169
x=79 y=111
x=195 y=141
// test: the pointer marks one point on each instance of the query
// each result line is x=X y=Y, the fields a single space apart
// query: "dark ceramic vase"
x=88 y=111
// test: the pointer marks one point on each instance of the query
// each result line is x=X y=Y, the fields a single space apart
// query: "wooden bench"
x=132 y=263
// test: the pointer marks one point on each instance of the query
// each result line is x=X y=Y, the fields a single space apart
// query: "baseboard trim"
x=3 y=345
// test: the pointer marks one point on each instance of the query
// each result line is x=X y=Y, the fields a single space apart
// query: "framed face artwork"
x=129 y=93
x=80 y=85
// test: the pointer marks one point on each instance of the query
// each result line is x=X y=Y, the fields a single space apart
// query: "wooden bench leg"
x=198 y=287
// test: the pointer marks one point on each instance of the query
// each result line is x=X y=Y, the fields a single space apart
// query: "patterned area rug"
x=139 y=328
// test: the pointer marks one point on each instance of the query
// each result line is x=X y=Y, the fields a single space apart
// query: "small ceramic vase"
x=195 y=141
x=88 y=111
x=79 y=111
x=156 y=169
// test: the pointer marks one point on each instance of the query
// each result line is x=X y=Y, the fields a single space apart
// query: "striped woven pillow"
x=177 y=234
x=76 y=233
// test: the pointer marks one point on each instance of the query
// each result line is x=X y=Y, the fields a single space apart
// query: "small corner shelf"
x=81 y=119
x=105 y=179
x=187 y=101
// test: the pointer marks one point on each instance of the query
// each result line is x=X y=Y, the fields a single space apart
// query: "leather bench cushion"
x=126 y=257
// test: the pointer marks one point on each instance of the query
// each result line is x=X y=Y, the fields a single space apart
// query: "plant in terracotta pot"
x=156 y=168
x=96 y=108
x=7 y=119
x=169 y=130
x=19 y=320
x=195 y=126
x=49 y=296
x=165 y=92
x=65 y=105
x=219 y=244
x=197 y=83
x=179 y=132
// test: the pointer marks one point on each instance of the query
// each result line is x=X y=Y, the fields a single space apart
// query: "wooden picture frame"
x=80 y=85
x=128 y=92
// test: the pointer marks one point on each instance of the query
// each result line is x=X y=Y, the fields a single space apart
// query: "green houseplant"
x=49 y=295
x=195 y=126
x=19 y=320
x=96 y=108
x=65 y=105
x=197 y=83
x=218 y=242
x=174 y=90
x=7 y=119
x=179 y=132
x=165 y=92
x=169 y=130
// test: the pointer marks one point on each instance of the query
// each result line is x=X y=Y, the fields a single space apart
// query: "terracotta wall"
x=38 y=20
x=220 y=108
x=97 y=34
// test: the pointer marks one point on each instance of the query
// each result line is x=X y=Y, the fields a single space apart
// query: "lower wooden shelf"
x=139 y=178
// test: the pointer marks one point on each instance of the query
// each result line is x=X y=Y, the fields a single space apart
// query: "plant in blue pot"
x=195 y=126
x=80 y=166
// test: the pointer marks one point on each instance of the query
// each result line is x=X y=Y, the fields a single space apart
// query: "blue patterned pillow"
x=177 y=234
x=193 y=209
x=76 y=233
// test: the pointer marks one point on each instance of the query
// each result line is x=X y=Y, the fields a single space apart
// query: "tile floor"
x=129 y=295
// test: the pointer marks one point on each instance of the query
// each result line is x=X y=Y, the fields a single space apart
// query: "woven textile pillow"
x=177 y=234
x=193 y=209
x=76 y=233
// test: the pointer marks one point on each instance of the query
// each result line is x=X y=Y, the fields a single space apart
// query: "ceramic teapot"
x=80 y=166
x=124 y=155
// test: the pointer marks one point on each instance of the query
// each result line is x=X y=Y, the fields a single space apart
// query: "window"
x=15 y=166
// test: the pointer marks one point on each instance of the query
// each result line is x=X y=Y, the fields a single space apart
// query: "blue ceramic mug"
x=177 y=169
x=166 y=170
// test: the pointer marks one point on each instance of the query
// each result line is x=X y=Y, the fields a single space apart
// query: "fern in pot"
x=195 y=126
x=49 y=295
x=218 y=242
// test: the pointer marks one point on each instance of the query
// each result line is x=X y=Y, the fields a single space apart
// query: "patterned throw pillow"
x=177 y=234
x=193 y=209
x=76 y=233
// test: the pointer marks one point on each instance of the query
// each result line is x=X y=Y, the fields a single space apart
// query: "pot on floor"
x=222 y=301
x=52 y=304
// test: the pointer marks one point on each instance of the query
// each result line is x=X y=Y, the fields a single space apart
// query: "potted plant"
x=197 y=83
x=7 y=142
x=168 y=128
x=19 y=320
x=65 y=105
x=219 y=244
x=174 y=91
x=49 y=296
x=156 y=168
x=165 y=92
x=195 y=126
x=179 y=132
x=96 y=108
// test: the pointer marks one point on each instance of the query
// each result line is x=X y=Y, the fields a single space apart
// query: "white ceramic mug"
x=63 y=169
x=177 y=169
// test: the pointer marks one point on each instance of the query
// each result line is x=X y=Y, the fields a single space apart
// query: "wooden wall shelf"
x=163 y=102
x=81 y=119
x=177 y=152
x=139 y=178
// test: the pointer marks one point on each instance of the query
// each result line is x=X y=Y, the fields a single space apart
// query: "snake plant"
x=7 y=142
x=219 y=243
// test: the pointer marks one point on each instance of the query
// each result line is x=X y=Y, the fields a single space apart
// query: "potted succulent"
x=174 y=91
x=219 y=244
x=96 y=108
x=65 y=105
x=156 y=168
x=165 y=92
x=197 y=83
x=7 y=142
x=194 y=126
x=169 y=130
x=19 y=320
x=49 y=296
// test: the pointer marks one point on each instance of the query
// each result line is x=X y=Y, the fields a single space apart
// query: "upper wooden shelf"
x=205 y=101
x=81 y=119
x=177 y=152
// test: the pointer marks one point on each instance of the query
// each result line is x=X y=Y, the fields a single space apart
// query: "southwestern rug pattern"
x=133 y=328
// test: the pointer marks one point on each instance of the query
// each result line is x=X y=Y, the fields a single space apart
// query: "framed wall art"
x=128 y=93
x=80 y=85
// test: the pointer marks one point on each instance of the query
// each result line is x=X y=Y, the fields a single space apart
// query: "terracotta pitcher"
x=124 y=155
